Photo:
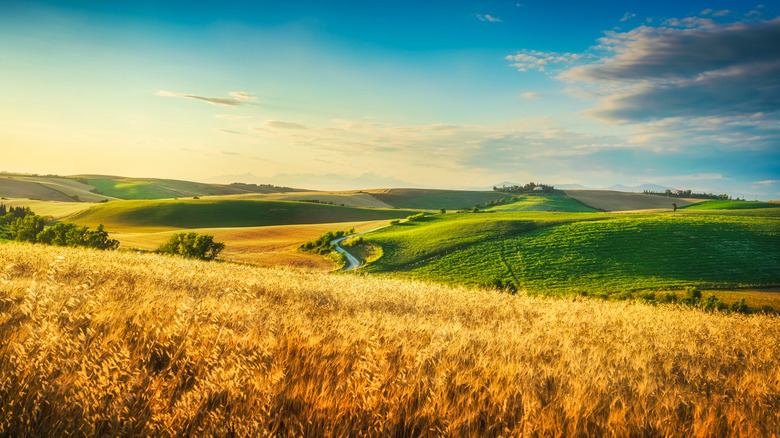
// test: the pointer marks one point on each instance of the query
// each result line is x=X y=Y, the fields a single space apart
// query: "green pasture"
x=544 y=203
x=587 y=253
x=210 y=213
x=730 y=205
x=132 y=190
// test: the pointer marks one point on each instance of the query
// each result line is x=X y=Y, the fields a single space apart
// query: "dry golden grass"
x=349 y=198
x=112 y=344
x=261 y=246
x=55 y=209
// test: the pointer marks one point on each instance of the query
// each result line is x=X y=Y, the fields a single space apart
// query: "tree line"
x=23 y=225
x=531 y=187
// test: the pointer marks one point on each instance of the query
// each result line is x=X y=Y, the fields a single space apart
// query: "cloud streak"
x=236 y=98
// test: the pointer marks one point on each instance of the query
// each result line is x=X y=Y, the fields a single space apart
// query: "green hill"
x=210 y=213
x=428 y=199
x=544 y=203
x=730 y=205
x=593 y=253
x=154 y=188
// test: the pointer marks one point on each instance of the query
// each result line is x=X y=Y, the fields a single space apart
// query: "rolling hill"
x=160 y=215
x=730 y=205
x=48 y=188
x=429 y=199
x=586 y=252
x=606 y=200
x=97 y=188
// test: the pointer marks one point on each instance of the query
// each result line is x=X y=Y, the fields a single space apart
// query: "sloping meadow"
x=115 y=344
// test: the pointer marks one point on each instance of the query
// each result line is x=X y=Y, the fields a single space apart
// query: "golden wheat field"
x=268 y=246
x=116 y=344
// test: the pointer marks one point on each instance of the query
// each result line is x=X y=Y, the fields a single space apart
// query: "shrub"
x=692 y=296
x=669 y=297
x=415 y=217
x=395 y=221
x=712 y=303
x=192 y=245
x=739 y=306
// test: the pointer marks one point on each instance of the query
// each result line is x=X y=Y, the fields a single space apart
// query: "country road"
x=354 y=263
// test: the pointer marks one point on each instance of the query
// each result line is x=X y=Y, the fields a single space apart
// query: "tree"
x=442 y=210
x=192 y=245
x=27 y=228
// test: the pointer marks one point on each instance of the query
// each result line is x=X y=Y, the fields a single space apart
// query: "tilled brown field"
x=608 y=200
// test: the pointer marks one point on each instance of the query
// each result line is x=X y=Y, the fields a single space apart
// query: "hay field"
x=609 y=200
x=55 y=209
x=261 y=246
x=112 y=344
x=348 y=198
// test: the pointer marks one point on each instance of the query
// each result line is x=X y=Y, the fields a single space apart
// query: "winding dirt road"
x=354 y=263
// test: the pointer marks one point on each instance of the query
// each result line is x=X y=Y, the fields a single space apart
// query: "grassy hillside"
x=602 y=253
x=730 y=205
x=544 y=203
x=154 y=188
x=208 y=213
x=425 y=199
x=111 y=344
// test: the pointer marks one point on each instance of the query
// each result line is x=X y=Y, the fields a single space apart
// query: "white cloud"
x=627 y=16
x=531 y=95
x=537 y=60
x=237 y=98
x=488 y=18
x=768 y=182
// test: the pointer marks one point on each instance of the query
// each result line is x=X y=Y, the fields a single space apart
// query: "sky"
x=350 y=95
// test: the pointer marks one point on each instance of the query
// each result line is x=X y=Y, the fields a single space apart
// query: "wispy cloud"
x=531 y=95
x=236 y=98
x=535 y=60
x=627 y=16
x=488 y=18
x=230 y=131
x=276 y=124
x=768 y=182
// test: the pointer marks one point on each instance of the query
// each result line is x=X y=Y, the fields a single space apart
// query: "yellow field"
x=262 y=246
x=55 y=209
x=348 y=198
x=608 y=200
x=119 y=344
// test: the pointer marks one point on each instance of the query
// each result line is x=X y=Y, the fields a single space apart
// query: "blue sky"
x=369 y=94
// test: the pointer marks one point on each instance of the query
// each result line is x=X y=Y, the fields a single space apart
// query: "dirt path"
x=354 y=263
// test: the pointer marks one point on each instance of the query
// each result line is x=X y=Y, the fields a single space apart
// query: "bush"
x=712 y=303
x=192 y=245
x=669 y=297
x=739 y=306
x=395 y=221
x=415 y=217
x=496 y=283
x=692 y=296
